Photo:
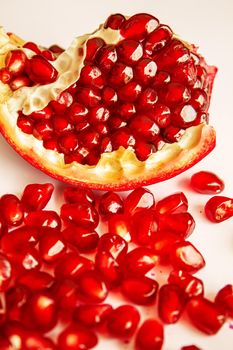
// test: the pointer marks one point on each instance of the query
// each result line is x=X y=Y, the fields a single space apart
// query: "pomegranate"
x=131 y=110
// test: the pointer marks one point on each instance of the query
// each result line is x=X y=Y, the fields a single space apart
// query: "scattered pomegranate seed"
x=171 y=303
x=145 y=226
x=83 y=214
x=109 y=269
x=19 y=82
x=91 y=287
x=190 y=347
x=120 y=224
x=224 y=299
x=206 y=182
x=140 y=289
x=139 y=199
x=36 y=196
x=192 y=286
x=92 y=315
x=123 y=321
x=163 y=243
x=150 y=335
x=51 y=247
x=84 y=240
x=35 y=280
x=11 y=210
x=66 y=294
x=219 y=208
x=184 y=256
x=140 y=260
x=32 y=46
x=173 y=204
x=114 y=244
x=180 y=223
x=110 y=203
x=43 y=218
x=77 y=336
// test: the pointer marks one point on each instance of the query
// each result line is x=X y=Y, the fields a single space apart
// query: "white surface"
x=206 y=23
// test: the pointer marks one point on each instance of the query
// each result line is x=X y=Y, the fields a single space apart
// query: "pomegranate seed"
x=32 y=46
x=190 y=347
x=36 y=196
x=61 y=124
x=176 y=93
x=56 y=49
x=161 y=114
x=15 y=61
x=88 y=96
x=173 y=204
x=127 y=110
x=205 y=315
x=106 y=145
x=184 y=256
x=173 y=134
x=219 y=208
x=52 y=247
x=192 y=286
x=71 y=266
x=35 y=340
x=11 y=210
x=163 y=243
x=185 y=116
x=66 y=294
x=138 y=26
x=140 y=290
x=145 y=71
x=68 y=142
x=41 y=71
x=19 y=82
x=114 y=244
x=27 y=260
x=180 y=223
x=91 y=287
x=147 y=100
x=174 y=54
x=106 y=57
x=35 y=280
x=159 y=38
x=110 y=203
x=3 y=227
x=16 y=334
x=102 y=128
x=224 y=299
x=77 y=112
x=84 y=240
x=207 y=182
x=83 y=214
x=171 y=303
x=144 y=127
x=114 y=21
x=43 y=218
x=199 y=99
x=139 y=261
x=5 y=272
x=108 y=268
x=79 y=195
x=51 y=144
x=143 y=150
x=120 y=224
x=109 y=96
x=120 y=75
x=16 y=297
x=144 y=226
x=129 y=92
x=93 y=46
x=26 y=124
x=5 y=75
x=116 y=123
x=130 y=51
x=62 y=102
x=123 y=321
x=150 y=335
x=122 y=137
x=161 y=78
x=139 y=199
x=48 y=55
x=98 y=114
x=75 y=337
x=92 y=315
x=92 y=76
x=44 y=113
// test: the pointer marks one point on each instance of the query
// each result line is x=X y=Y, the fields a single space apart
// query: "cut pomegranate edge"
x=118 y=170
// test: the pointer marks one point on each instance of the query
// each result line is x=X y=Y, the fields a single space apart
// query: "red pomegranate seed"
x=127 y=110
x=44 y=113
x=3 y=227
x=91 y=287
x=199 y=99
x=82 y=214
x=90 y=138
x=27 y=260
x=92 y=315
x=139 y=199
x=143 y=150
x=161 y=114
x=15 y=333
x=205 y=315
x=109 y=96
x=88 y=96
x=77 y=112
x=11 y=210
x=108 y=268
x=43 y=218
x=185 y=116
x=106 y=57
x=145 y=71
x=93 y=45
x=122 y=137
x=138 y=26
x=35 y=280
x=184 y=256
x=35 y=341
x=140 y=290
x=207 y=182
x=36 y=196
x=62 y=102
x=150 y=335
x=163 y=243
x=139 y=261
x=180 y=223
x=145 y=226
x=61 y=124
x=68 y=142
x=174 y=54
x=144 y=127
x=52 y=247
x=224 y=299
x=5 y=273
x=173 y=134
x=219 y=208
x=32 y=46
x=129 y=92
x=84 y=240
x=190 y=347
x=71 y=266
x=5 y=75
x=113 y=244
x=147 y=100
x=79 y=195
x=159 y=38
x=92 y=76
x=15 y=61
x=16 y=297
x=26 y=124
x=120 y=75
x=173 y=204
x=161 y=78
x=19 y=82
x=76 y=337
x=123 y=321
x=48 y=55
x=120 y=224
x=130 y=51
x=66 y=293
x=98 y=114
x=56 y=49
x=176 y=93
x=114 y=21
x=110 y=203
x=192 y=286
x=41 y=71
x=171 y=303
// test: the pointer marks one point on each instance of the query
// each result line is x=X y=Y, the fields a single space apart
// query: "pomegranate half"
x=122 y=107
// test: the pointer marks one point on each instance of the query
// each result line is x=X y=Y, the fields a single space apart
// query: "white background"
x=208 y=24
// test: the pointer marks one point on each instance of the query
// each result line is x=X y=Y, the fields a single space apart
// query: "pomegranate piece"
x=5 y=272
x=84 y=240
x=184 y=256
x=192 y=286
x=41 y=71
x=11 y=210
x=120 y=224
x=15 y=61
x=150 y=335
x=219 y=208
x=43 y=218
x=114 y=245
x=206 y=182
x=123 y=321
x=173 y=204
x=81 y=214
x=52 y=247
x=36 y=196
x=91 y=287
x=138 y=26
x=171 y=303
x=139 y=261
x=79 y=195
x=182 y=224
x=145 y=226
x=77 y=337
x=108 y=268
x=110 y=203
x=35 y=280
x=205 y=315
x=139 y=199
x=92 y=315
x=224 y=299
x=140 y=290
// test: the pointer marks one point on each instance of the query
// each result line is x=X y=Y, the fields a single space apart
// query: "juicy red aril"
x=138 y=26
x=147 y=100
x=15 y=61
x=219 y=208
x=92 y=76
x=129 y=92
x=19 y=82
x=11 y=210
x=66 y=294
x=120 y=224
x=68 y=142
x=41 y=71
x=120 y=75
x=163 y=243
x=140 y=290
x=173 y=134
x=185 y=116
x=144 y=127
x=190 y=347
x=92 y=47
x=139 y=261
x=174 y=54
x=26 y=260
x=171 y=303
x=114 y=244
x=205 y=315
x=78 y=195
x=84 y=240
x=207 y=182
x=44 y=113
x=16 y=297
x=173 y=204
x=32 y=46
x=150 y=335
x=145 y=71
x=139 y=199
x=145 y=226
x=43 y=218
x=199 y=99
x=161 y=114
x=5 y=272
x=114 y=21
x=192 y=286
x=71 y=266
x=60 y=124
x=106 y=57
x=51 y=247
x=176 y=93
x=35 y=280
x=110 y=203
x=143 y=150
x=122 y=137
x=123 y=321
x=108 y=268
x=224 y=299
x=34 y=341
x=3 y=227
x=5 y=75
x=91 y=287
x=97 y=115
x=159 y=38
x=109 y=96
x=48 y=55
x=180 y=223
x=36 y=196
x=43 y=129
x=26 y=124
x=92 y=315
x=84 y=215
x=90 y=97
x=184 y=256
x=130 y=51
x=77 y=112
x=75 y=337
